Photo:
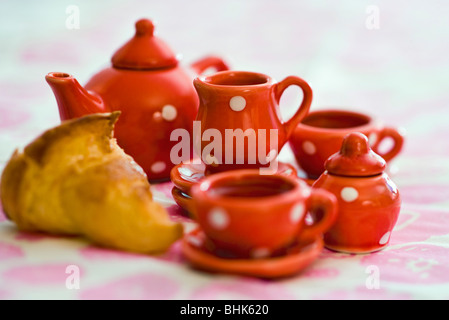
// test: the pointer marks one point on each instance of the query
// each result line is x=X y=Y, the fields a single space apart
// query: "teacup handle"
x=205 y=63
x=398 y=140
x=303 y=109
x=324 y=204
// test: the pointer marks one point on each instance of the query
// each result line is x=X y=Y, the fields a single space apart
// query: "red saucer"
x=185 y=175
x=294 y=259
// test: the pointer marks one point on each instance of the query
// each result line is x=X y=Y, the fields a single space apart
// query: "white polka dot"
x=260 y=253
x=372 y=139
x=169 y=112
x=308 y=147
x=218 y=218
x=306 y=192
x=237 y=103
x=297 y=213
x=158 y=167
x=195 y=241
x=385 y=238
x=349 y=194
x=204 y=186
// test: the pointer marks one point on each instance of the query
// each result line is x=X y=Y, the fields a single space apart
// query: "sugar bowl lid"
x=144 y=51
x=355 y=158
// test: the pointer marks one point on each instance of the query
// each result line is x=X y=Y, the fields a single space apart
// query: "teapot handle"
x=303 y=109
x=205 y=63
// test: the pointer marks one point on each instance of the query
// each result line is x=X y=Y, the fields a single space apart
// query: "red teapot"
x=153 y=92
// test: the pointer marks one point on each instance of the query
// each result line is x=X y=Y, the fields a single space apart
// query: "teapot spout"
x=73 y=100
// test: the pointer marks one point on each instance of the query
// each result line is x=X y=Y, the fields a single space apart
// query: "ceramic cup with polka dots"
x=239 y=113
x=320 y=135
x=246 y=214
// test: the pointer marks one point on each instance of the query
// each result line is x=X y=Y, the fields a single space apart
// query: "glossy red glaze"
x=290 y=262
x=368 y=205
x=253 y=215
x=154 y=94
x=240 y=100
x=321 y=133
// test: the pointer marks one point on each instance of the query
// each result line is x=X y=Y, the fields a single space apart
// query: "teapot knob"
x=144 y=51
x=144 y=27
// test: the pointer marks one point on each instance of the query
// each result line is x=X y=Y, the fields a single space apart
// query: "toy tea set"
x=265 y=225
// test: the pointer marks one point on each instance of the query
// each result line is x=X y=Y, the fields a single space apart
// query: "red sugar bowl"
x=368 y=201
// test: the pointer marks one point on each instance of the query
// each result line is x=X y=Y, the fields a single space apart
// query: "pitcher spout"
x=73 y=100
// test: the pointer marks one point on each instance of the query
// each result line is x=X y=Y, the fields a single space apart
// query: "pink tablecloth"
x=387 y=59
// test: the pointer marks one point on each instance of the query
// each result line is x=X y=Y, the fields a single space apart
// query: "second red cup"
x=320 y=135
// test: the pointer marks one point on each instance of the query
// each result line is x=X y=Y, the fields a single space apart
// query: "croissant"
x=75 y=180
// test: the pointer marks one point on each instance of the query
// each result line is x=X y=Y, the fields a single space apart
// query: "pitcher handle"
x=303 y=109
x=205 y=63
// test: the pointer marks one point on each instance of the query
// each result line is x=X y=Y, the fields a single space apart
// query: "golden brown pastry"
x=75 y=180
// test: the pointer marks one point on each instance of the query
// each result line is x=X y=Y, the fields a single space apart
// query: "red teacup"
x=251 y=215
x=321 y=133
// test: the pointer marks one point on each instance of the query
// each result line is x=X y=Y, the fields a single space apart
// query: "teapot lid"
x=144 y=51
x=355 y=158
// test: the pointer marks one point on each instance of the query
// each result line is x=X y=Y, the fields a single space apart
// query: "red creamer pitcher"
x=240 y=119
